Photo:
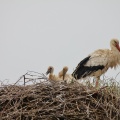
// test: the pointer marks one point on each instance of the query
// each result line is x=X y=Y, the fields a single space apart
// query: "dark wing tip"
x=82 y=71
x=79 y=67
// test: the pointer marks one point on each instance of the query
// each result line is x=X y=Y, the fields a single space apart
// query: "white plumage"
x=98 y=62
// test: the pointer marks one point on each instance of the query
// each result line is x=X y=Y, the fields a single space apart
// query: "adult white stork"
x=97 y=63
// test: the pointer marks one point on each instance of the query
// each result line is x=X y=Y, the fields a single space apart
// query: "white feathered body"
x=103 y=57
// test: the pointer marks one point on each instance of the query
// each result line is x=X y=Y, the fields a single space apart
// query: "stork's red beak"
x=118 y=47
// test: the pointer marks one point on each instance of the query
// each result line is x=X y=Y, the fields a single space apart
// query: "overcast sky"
x=37 y=33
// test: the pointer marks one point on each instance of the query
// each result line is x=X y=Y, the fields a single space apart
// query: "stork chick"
x=50 y=71
x=64 y=76
x=97 y=63
x=63 y=72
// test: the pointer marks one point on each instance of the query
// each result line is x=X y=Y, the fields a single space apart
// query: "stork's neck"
x=61 y=73
x=51 y=76
x=116 y=54
x=115 y=50
x=51 y=72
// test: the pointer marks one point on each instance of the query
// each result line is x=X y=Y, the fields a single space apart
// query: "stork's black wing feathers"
x=82 y=71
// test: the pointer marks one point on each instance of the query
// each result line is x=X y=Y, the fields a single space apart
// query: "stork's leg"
x=63 y=75
x=97 y=82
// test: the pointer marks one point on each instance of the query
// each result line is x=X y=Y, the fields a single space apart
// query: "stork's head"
x=49 y=70
x=65 y=69
x=114 y=43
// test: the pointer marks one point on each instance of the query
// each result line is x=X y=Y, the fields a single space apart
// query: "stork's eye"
x=50 y=68
x=115 y=42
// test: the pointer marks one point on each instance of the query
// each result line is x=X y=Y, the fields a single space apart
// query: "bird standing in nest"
x=97 y=63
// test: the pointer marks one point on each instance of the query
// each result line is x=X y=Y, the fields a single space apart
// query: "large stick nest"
x=58 y=101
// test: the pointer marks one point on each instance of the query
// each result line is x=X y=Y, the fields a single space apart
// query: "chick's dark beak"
x=47 y=72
